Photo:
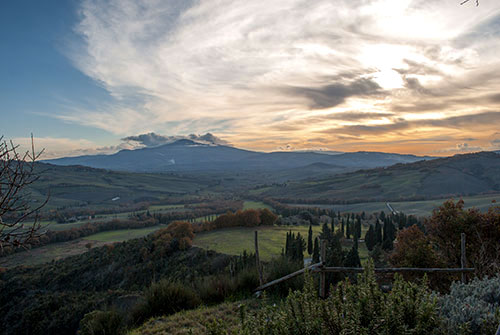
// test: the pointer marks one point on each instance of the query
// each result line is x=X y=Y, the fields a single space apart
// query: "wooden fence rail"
x=322 y=269
x=394 y=270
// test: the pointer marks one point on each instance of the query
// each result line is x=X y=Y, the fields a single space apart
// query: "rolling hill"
x=466 y=174
x=187 y=155
x=80 y=185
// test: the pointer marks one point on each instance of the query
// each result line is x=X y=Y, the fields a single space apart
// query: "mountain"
x=187 y=155
x=460 y=175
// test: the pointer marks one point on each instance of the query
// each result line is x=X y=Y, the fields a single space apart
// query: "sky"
x=404 y=76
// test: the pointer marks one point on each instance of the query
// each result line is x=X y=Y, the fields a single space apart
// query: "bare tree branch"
x=465 y=1
x=17 y=172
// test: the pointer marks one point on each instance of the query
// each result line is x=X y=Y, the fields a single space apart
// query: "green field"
x=122 y=234
x=164 y=207
x=233 y=241
x=247 y=204
x=418 y=208
x=55 y=251
x=48 y=253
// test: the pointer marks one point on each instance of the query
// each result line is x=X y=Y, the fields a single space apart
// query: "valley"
x=120 y=231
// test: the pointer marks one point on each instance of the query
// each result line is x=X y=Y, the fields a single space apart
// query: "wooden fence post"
x=257 y=259
x=322 y=274
x=463 y=260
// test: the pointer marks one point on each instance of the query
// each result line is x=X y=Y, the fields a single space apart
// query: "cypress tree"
x=378 y=232
x=299 y=248
x=334 y=253
x=326 y=234
x=389 y=235
x=310 y=241
x=352 y=258
x=387 y=244
x=342 y=228
x=358 y=228
x=382 y=215
x=288 y=244
x=348 y=229
x=370 y=239
x=315 y=256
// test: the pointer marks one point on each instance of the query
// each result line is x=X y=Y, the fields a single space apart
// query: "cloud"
x=335 y=94
x=264 y=74
x=471 y=121
x=63 y=147
x=461 y=148
x=154 y=140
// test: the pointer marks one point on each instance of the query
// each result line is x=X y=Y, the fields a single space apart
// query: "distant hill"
x=466 y=174
x=74 y=185
x=188 y=155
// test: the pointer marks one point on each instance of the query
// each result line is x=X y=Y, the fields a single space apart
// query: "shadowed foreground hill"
x=52 y=298
x=466 y=174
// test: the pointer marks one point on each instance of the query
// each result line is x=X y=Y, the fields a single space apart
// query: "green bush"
x=102 y=323
x=215 y=289
x=247 y=280
x=280 y=267
x=164 y=298
x=472 y=308
x=360 y=308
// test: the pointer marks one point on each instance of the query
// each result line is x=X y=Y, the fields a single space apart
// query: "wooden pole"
x=288 y=276
x=257 y=259
x=322 y=274
x=463 y=260
x=393 y=270
x=319 y=267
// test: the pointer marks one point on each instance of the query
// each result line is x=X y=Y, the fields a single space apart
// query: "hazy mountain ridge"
x=188 y=155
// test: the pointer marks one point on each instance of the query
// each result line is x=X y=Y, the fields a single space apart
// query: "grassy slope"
x=122 y=234
x=56 y=251
x=418 y=208
x=248 y=204
x=54 y=226
x=233 y=241
x=76 y=185
x=195 y=321
x=461 y=174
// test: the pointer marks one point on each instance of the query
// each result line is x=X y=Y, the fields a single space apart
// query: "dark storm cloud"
x=414 y=85
x=355 y=116
x=418 y=68
x=464 y=121
x=154 y=140
x=332 y=95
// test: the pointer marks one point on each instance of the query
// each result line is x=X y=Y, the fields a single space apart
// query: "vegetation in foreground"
x=363 y=308
x=119 y=287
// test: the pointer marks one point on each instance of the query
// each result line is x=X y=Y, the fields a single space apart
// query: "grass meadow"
x=55 y=251
x=419 y=208
x=233 y=241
